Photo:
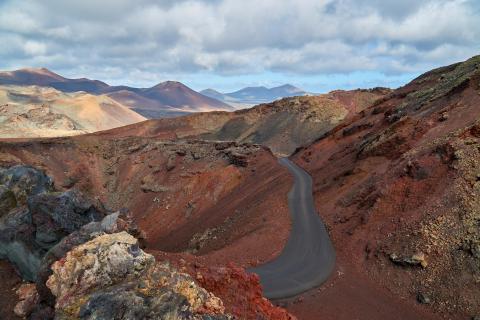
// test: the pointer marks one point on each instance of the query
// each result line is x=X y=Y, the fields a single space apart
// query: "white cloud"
x=148 y=37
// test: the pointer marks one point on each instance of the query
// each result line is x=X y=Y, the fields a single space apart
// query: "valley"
x=356 y=197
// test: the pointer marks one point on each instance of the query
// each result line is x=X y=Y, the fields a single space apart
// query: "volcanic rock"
x=111 y=277
x=28 y=231
x=28 y=296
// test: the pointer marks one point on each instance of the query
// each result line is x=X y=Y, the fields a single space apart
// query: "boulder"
x=28 y=299
x=25 y=181
x=28 y=232
x=110 y=277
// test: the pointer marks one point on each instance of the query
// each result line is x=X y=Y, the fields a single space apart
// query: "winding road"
x=308 y=258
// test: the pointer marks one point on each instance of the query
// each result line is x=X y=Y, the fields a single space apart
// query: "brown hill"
x=166 y=99
x=282 y=125
x=398 y=186
x=45 y=112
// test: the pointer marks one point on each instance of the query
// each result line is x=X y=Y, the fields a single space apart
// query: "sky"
x=318 y=45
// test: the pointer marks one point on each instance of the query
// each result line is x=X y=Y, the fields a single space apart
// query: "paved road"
x=308 y=257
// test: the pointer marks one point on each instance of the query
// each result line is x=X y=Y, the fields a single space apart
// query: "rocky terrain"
x=283 y=125
x=167 y=99
x=45 y=112
x=398 y=188
x=395 y=178
x=87 y=262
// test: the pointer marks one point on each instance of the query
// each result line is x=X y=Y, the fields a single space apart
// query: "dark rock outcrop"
x=37 y=218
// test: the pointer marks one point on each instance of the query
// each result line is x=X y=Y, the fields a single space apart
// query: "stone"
x=57 y=215
x=28 y=232
x=25 y=181
x=417 y=259
x=423 y=298
x=28 y=300
x=7 y=200
x=171 y=162
x=110 y=277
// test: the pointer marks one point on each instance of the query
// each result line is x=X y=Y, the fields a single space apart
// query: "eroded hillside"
x=205 y=198
x=282 y=125
x=398 y=186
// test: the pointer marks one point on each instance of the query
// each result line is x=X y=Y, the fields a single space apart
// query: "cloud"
x=118 y=39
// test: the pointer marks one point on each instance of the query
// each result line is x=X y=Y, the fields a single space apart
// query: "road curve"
x=308 y=258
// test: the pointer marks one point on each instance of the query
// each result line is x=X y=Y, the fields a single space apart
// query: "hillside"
x=30 y=111
x=398 y=186
x=166 y=99
x=282 y=125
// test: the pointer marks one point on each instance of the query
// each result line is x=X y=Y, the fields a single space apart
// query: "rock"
x=110 y=277
x=423 y=298
x=237 y=159
x=99 y=263
x=113 y=223
x=28 y=232
x=7 y=200
x=28 y=296
x=25 y=181
x=443 y=117
x=171 y=162
x=57 y=215
x=414 y=260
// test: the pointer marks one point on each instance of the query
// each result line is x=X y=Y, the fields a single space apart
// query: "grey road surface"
x=308 y=258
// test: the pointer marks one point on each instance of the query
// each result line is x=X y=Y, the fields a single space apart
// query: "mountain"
x=31 y=111
x=166 y=99
x=255 y=95
x=176 y=94
x=282 y=125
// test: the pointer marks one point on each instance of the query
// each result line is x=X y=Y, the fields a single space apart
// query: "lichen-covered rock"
x=24 y=181
x=112 y=223
x=110 y=277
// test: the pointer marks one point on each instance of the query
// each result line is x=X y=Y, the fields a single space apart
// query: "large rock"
x=37 y=219
x=24 y=181
x=112 y=223
x=110 y=277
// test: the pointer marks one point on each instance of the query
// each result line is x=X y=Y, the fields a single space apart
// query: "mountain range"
x=250 y=96
x=166 y=99
x=394 y=175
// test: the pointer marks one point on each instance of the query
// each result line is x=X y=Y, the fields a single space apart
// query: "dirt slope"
x=42 y=112
x=194 y=197
x=398 y=187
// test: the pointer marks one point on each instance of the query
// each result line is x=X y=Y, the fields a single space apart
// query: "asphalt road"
x=308 y=258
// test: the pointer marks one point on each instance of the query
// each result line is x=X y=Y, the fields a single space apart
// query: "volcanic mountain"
x=255 y=95
x=32 y=111
x=163 y=100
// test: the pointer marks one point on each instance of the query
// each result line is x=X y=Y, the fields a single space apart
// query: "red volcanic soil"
x=223 y=201
x=398 y=188
x=208 y=203
x=8 y=298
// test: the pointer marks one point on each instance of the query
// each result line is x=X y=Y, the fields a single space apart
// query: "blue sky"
x=318 y=45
